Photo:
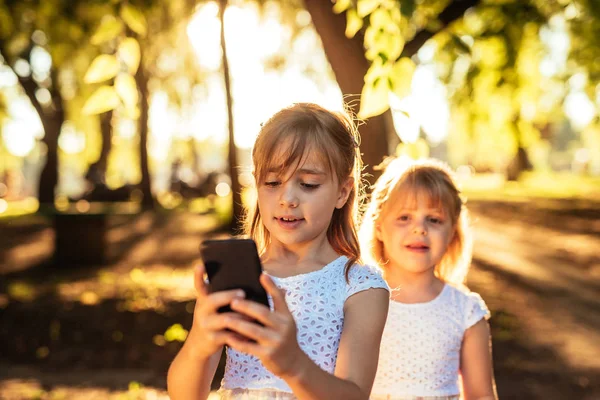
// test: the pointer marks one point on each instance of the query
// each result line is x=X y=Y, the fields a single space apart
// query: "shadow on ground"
x=64 y=336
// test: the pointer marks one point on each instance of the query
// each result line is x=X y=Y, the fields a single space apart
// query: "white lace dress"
x=420 y=348
x=316 y=300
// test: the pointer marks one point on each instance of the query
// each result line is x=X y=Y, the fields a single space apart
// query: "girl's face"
x=415 y=234
x=296 y=206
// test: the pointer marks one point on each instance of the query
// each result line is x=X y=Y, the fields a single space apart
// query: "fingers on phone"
x=216 y=300
x=252 y=311
x=219 y=322
x=199 y=280
x=277 y=294
x=248 y=330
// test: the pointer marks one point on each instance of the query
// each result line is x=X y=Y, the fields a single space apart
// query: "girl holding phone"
x=321 y=337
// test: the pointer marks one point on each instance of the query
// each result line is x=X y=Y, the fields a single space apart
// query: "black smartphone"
x=233 y=264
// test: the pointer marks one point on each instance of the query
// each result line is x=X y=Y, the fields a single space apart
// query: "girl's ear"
x=378 y=234
x=453 y=235
x=345 y=190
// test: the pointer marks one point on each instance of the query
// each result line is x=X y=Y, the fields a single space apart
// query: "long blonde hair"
x=333 y=137
x=404 y=177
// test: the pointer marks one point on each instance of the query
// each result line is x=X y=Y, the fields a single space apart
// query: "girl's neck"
x=408 y=287
x=281 y=260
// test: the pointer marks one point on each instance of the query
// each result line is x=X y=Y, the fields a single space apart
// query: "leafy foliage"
x=491 y=58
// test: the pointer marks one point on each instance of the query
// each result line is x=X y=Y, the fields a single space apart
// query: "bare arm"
x=194 y=367
x=191 y=374
x=364 y=318
x=277 y=348
x=476 y=363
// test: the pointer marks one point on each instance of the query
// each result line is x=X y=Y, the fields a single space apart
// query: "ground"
x=110 y=330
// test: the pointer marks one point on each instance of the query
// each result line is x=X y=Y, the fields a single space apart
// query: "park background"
x=125 y=132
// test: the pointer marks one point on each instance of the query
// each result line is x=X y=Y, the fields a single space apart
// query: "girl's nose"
x=288 y=197
x=419 y=228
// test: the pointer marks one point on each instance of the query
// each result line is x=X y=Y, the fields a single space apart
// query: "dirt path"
x=540 y=275
x=538 y=268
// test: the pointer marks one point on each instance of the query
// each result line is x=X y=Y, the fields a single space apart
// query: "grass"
x=551 y=185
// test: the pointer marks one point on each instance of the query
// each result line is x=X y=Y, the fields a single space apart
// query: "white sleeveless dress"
x=420 y=348
x=316 y=300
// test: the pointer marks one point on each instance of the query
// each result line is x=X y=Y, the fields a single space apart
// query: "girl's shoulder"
x=470 y=304
x=362 y=277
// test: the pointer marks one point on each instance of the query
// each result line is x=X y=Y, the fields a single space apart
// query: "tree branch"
x=454 y=11
x=27 y=83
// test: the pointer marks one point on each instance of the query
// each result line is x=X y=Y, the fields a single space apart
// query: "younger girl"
x=321 y=338
x=416 y=229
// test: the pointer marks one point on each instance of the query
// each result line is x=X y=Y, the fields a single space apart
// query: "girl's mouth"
x=418 y=247
x=289 y=219
x=289 y=222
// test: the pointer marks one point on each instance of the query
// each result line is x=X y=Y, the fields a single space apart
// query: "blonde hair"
x=333 y=137
x=404 y=177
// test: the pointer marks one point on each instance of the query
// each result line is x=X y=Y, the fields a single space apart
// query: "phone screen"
x=234 y=264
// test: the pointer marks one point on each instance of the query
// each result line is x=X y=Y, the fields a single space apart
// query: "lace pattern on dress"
x=316 y=300
x=420 y=347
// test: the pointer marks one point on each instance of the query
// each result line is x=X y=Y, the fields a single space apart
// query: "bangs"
x=424 y=185
x=285 y=151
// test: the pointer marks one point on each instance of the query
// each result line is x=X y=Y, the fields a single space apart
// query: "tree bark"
x=455 y=10
x=233 y=163
x=52 y=118
x=49 y=177
x=106 y=129
x=349 y=65
x=347 y=59
x=146 y=183
x=96 y=172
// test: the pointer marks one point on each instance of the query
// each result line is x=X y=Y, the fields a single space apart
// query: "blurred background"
x=125 y=135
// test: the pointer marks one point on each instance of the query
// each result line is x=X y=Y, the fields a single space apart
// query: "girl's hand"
x=275 y=342
x=208 y=334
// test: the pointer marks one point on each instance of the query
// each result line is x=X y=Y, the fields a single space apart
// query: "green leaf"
x=134 y=19
x=109 y=28
x=416 y=150
x=401 y=76
x=127 y=90
x=60 y=52
x=386 y=43
x=380 y=19
x=176 y=332
x=129 y=53
x=105 y=98
x=407 y=8
x=341 y=6
x=366 y=7
x=460 y=44
x=104 y=67
x=374 y=98
x=17 y=44
x=6 y=23
x=353 y=23
x=377 y=70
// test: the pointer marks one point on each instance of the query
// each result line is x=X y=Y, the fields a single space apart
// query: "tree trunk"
x=96 y=172
x=233 y=163
x=49 y=177
x=349 y=65
x=347 y=59
x=520 y=162
x=52 y=119
x=106 y=129
x=145 y=184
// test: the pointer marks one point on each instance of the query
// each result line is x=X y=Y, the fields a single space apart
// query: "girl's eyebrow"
x=310 y=171
x=303 y=171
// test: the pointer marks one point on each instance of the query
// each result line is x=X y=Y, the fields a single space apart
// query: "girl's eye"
x=403 y=218
x=272 y=183
x=435 y=220
x=310 y=186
